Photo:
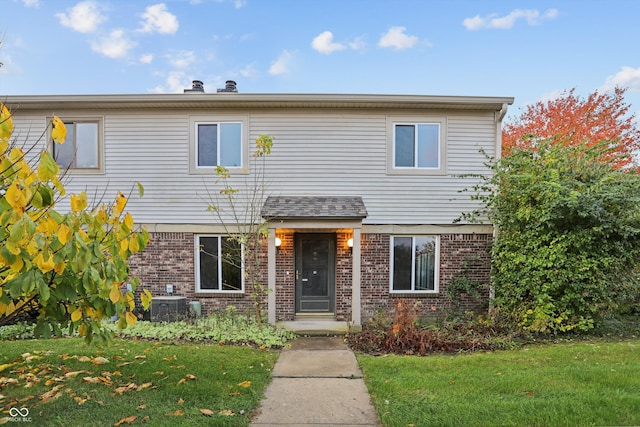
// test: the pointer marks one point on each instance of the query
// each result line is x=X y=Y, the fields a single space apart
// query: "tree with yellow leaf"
x=70 y=268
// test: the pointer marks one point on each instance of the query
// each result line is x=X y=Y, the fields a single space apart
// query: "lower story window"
x=414 y=263
x=218 y=264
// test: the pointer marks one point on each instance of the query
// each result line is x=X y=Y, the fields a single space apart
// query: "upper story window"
x=219 y=144
x=414 y=264
x=416 y=145
x=218 y=264
x=218 y=141
x=82 y=149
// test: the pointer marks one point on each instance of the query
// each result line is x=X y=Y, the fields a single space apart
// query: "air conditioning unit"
x=168 y=308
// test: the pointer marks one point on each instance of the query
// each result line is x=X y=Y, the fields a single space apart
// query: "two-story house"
x=360 y=191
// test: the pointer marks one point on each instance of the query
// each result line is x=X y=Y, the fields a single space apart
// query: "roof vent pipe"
x=196 y=86
x=230 y=86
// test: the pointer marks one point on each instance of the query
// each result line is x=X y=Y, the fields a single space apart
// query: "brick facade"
x=170 y=259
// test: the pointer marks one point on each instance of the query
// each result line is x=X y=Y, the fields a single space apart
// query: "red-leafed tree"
x=572 y=120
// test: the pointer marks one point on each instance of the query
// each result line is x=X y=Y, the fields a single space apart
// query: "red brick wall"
x=170 y=259
x=455 y=251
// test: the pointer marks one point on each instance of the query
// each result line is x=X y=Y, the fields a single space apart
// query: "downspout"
x=498 y=155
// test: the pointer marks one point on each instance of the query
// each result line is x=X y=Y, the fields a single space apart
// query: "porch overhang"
x=314 y=213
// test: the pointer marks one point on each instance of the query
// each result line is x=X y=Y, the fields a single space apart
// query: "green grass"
x=220 y=373
x=570 y=384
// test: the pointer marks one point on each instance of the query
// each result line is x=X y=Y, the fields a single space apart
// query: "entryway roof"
x=308 y=207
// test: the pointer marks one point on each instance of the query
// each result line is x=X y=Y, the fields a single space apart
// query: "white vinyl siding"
x=315 y=153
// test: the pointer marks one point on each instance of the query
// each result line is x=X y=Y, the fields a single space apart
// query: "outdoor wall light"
x=350 y=243
x=278 y=242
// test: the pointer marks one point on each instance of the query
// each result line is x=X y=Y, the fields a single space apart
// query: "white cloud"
x=31 y=3
x=115 y=45
x=84 y=17
x=627 y=77
x=249 y=71
x=282 y=64
x=357 y=44
x=176 y=82
x=146 y=58
x=158 y=19
x=493 y=21
x=397 y=39
x=324 y=43
x=182 y=59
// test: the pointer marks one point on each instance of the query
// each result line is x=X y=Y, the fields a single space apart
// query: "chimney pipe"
x=230 y=86
x=196 y=86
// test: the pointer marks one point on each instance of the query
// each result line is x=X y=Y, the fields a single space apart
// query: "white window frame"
x=99 y=121
x=393 y=122
x=220 y=270
x=436 y=269
x=195 y=121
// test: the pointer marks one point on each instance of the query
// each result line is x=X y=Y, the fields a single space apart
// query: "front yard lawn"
x=580 y=383
x=63 y=382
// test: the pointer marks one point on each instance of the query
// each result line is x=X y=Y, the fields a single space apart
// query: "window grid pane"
x=402 y=263
x=425 y=251
x=64 y=153
x=405 y=146
x=86 y=139
x=207 y=145
x=231 y=144
x=208 y=263
x=428 y=146
x=231 y=263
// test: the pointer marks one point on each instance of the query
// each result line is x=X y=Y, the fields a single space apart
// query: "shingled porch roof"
x=312 y=207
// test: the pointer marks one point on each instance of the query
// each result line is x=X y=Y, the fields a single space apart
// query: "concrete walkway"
x=316 y=382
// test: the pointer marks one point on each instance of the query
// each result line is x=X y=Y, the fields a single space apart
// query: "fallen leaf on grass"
x=227 y=412
x=143 y=386
x=74 y=374
x=127 y=420
x=176 y=413
x=245 y=384
x=91 y=380
x=158 y=373
x=207 y=412
x=180 y=401
x=169 y=359
x=51 y=394
x=84 y=359
x=100 y=360
x=142 y=407
x=141 y=356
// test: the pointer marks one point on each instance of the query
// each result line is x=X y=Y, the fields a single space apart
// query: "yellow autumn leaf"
x=145 y=298
x=227 y=413
x=131 y=318
x=60 y=267
x=6 y=127
x=207 y=412
x=16 y=196
x=124 y=245
x=64 y=233
x=134 y=246
x=245 y=384
x=78 y=202
x=115 y=293
x=121 y=202
x=177 y=412
x=76 y=315
x=128 y=220
x=45 y=265
x=58 y=130
x=130 y=300
x=82 y=329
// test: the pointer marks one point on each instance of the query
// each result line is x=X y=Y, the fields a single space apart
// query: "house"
x=361 y=191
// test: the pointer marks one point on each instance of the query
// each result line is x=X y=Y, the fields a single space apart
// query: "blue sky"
x=530 y=50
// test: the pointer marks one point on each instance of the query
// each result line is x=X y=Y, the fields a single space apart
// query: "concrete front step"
x=317 y=326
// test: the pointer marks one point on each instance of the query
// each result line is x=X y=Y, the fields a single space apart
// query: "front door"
x=315 y=272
